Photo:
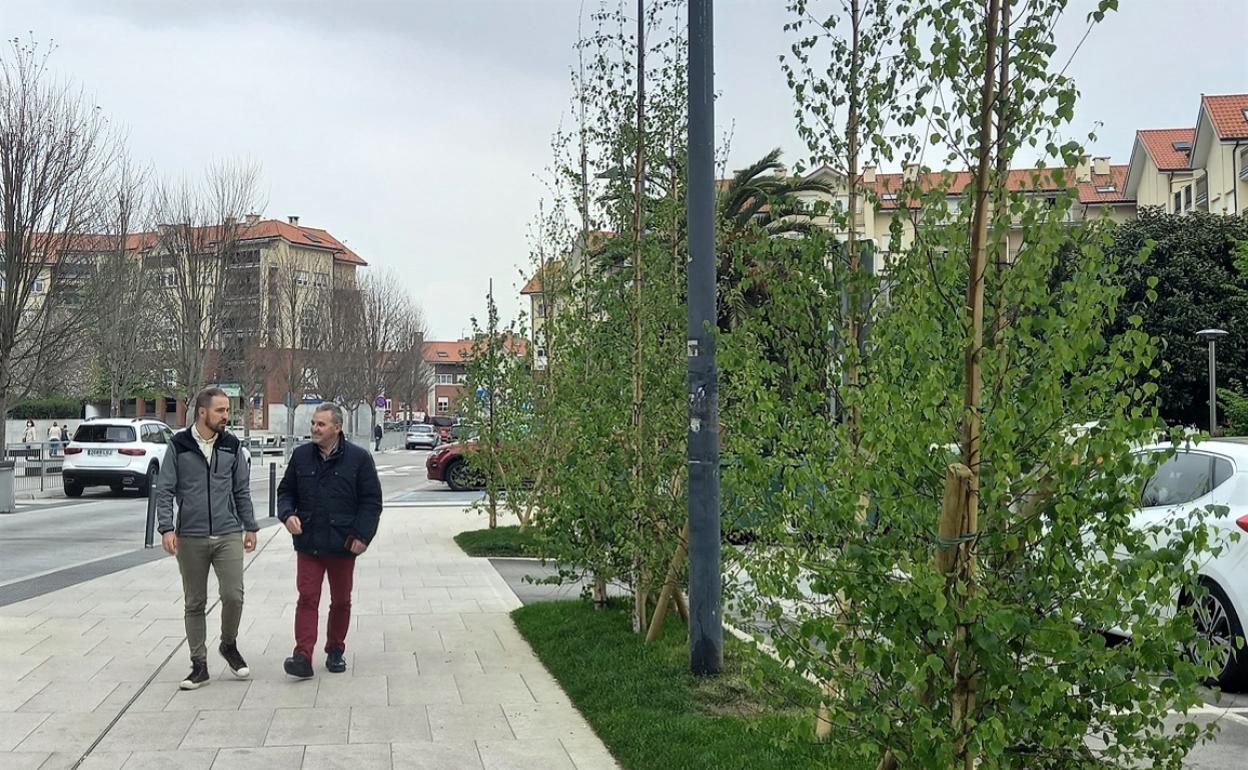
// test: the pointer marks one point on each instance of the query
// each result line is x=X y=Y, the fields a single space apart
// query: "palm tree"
x=759 y=213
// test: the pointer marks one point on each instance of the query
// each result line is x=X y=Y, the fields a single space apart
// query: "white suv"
x=115 y=452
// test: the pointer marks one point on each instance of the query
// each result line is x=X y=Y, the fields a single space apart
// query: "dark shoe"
x=198 y=676
x=237 y=664
x=334 y=662
x=298 y=666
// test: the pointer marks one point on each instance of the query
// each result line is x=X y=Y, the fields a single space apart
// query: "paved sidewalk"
x=438 y=678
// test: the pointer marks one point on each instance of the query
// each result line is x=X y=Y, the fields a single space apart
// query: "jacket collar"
x=186 y=439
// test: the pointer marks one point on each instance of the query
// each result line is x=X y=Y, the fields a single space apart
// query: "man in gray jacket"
x=206 y=472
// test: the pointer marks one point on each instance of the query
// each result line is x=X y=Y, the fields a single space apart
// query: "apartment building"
x=449 y=362
x=1201 y=168
x=273 y=266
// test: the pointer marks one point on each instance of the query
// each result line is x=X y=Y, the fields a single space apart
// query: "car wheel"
x=72 y=489
x=458 y=477
x=145 y=486
x=1215 y=621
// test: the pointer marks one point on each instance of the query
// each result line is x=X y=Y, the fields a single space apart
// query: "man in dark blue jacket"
x=330 y=502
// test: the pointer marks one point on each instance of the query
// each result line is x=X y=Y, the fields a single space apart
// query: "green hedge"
x=52 y=408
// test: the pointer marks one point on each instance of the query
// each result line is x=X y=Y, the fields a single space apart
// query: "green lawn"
x=500 y=541
x=652 y=713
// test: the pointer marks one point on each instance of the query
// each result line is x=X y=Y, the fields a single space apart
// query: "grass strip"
x=500 y=541
x=652 y=713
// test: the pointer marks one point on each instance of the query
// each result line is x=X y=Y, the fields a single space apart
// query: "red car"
x=446 y=463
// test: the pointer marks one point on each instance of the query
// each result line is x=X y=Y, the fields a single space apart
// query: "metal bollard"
x=150 y=540
x=273 y=490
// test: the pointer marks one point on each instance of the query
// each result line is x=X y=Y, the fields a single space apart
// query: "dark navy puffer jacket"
x=335 y=498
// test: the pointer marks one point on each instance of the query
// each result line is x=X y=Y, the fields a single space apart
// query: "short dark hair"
x=203 y=399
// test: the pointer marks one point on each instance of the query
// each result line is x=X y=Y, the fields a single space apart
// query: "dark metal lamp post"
x=1211 y=336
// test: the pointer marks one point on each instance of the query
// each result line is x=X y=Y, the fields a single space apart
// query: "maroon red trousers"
x=309 y=577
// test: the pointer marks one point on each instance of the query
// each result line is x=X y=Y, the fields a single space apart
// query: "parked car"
x=1213 y=473
x=116 y=453
x=443 y=425
x=422 y=436
x=447 y=464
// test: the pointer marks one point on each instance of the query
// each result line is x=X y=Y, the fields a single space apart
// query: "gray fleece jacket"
x=213 y=495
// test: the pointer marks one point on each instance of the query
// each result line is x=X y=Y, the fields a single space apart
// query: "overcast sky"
x=414 y=130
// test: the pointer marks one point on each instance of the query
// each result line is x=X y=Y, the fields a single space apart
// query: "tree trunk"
x=639 y=620
x=963 y=704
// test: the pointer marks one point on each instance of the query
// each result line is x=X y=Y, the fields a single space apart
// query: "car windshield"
x=104 y=434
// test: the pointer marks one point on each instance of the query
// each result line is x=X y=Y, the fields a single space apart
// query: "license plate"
x=99 y=452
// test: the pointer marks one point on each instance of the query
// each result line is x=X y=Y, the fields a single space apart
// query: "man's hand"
x=357 y=546
x=293 y=525
x=249 y=542
x=169 y=541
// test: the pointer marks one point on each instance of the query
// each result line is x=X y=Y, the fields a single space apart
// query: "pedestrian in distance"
x=378 y=432
x=54 y=439
x=330 y=502
x=206 y=474
x=65 y=434
x=28 y=435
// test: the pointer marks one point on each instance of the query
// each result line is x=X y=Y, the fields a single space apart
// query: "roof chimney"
x=293 y=220
x=1083 y=172
x=252 y=220
x=1100 y=166
x=781 y=171
x=910 y=172
x=868 y=175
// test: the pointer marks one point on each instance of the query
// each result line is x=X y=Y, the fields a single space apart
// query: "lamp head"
x=1210 y=335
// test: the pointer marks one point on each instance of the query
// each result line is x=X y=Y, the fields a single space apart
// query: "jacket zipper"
x=209 y=463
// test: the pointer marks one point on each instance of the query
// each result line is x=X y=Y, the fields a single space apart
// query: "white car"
x=116 y=453
x=422 y=436
x=1212 y=473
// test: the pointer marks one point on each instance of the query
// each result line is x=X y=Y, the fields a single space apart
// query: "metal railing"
x=37 y=466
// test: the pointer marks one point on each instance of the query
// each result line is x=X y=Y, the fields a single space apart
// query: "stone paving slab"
x=439 y=677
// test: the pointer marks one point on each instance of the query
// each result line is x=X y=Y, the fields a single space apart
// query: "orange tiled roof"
x=1026 y=179
x=459 y=351
x=1106 y=188
x=1227 y=113
x=310 y=237
x=534 y=284
x=1159 y=143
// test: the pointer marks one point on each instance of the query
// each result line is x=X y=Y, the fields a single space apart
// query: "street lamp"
x=1211 y=336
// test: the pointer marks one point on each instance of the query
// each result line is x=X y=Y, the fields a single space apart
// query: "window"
x=36 y=286
x=1105 y=188
x=1187 y=198
x=1182 y=146
x=1178 y=202
x=889 y=196
x=445 y=379
x=444 y=405
x=301 y=278
x=442 y=354
x=460 y=379
x=1202 y=191
x=1185 y=477
x=320 y=280
x=103 y=434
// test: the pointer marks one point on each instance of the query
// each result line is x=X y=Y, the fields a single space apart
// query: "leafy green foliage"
x=52 y=407
x=498 y=401
x=1196 y=279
